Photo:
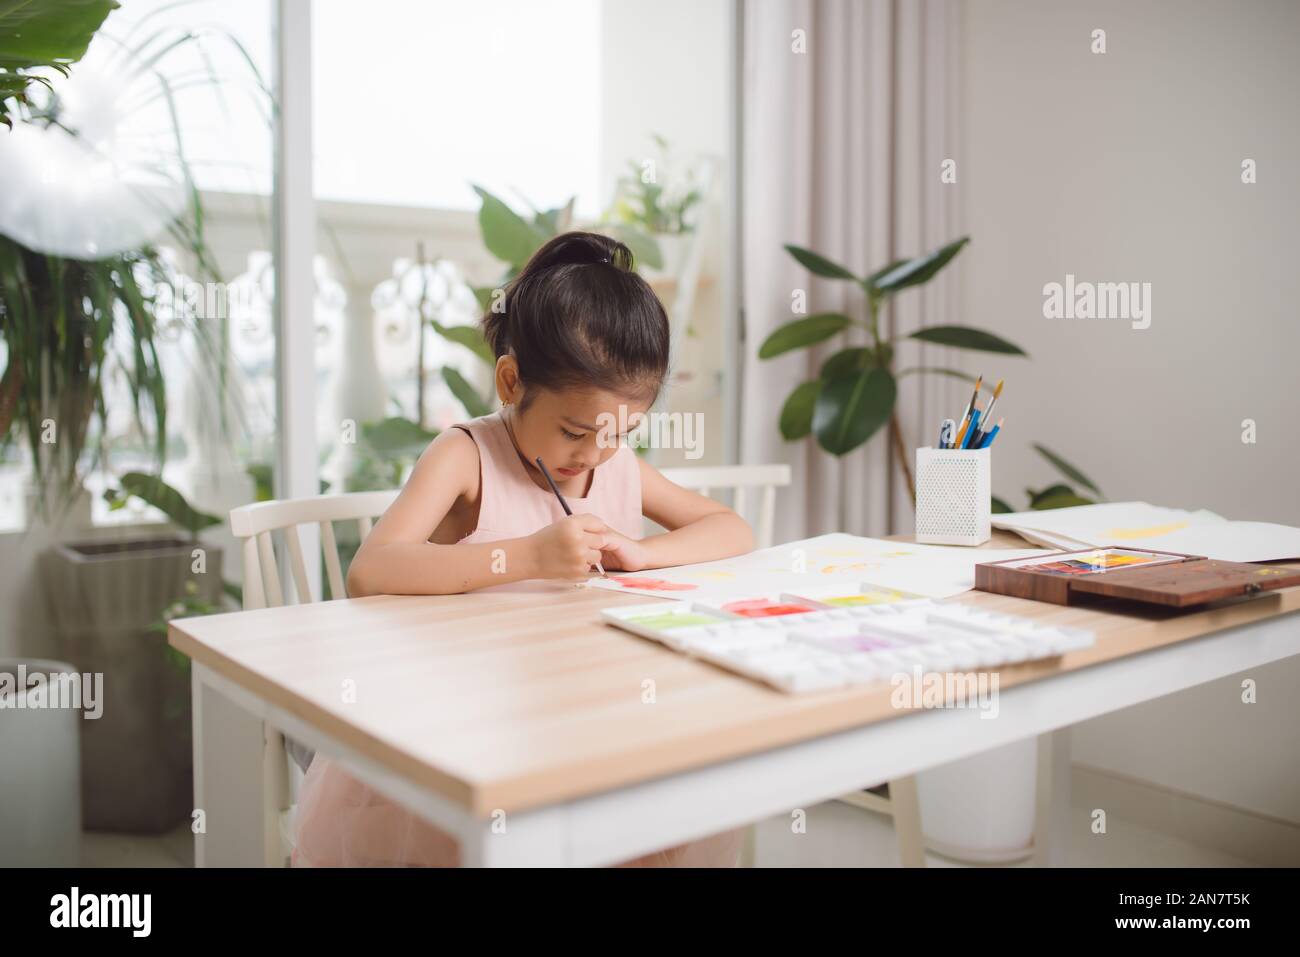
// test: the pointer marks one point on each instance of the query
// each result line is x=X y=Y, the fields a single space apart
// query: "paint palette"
x=807 y=601
x=834 y=647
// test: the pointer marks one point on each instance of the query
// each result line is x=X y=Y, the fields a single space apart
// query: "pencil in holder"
x=952 y=496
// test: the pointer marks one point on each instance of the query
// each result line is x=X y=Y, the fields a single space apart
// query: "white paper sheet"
x=1139 y=525
x=935 y=571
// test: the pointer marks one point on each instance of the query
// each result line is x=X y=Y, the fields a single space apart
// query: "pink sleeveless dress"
x=342 y=822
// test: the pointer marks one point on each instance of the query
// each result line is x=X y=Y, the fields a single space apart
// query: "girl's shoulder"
x=452 y=457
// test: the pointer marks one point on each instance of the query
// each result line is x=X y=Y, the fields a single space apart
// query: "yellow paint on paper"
x=855 y=566
x=1151 y=531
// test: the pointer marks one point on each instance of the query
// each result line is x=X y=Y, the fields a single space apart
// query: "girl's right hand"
x=569 y=548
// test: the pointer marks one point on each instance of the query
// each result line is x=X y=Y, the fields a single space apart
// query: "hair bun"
x=569 y=326
x=579 y=248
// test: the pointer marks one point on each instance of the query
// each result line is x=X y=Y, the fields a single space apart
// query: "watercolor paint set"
x=1169 y=579
x=795 y=644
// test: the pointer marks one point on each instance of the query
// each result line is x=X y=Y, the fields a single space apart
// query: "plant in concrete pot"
x=105 y=598
x=87 y=293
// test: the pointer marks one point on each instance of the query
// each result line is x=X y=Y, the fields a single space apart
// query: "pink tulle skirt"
x=341 y=822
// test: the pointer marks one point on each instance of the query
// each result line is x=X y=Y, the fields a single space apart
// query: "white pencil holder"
x=952 y=496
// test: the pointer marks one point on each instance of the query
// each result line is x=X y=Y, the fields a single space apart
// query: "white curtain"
x=843 y=146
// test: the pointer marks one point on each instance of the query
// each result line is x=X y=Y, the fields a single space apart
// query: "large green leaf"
x=152 y=490
x=506 y=234
x=1057 y=497
x=819 y=265
x=938 y=370
x=869 y=283
x=967 y=337
x=919 y=270
x=803 y=332
x=483 y=294
x=49 y=33
x=1066 y=469
x=468 y=336
x=396 y=436
x=463 y=391
x=851 y=408
x=999 y=506
x=846 y=362
x=797 y=413
x=1051 y=490
x=552 y=222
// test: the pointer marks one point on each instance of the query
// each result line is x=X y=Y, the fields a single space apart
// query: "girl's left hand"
x=623 y=554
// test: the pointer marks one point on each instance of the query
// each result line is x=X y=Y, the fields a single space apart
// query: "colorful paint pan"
x=665 y=620
x=766 y=607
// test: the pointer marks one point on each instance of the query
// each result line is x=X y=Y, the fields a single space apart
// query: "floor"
x=836 y=835
x=173 y=849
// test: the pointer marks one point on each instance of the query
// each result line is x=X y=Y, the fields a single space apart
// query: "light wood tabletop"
x=517 y=701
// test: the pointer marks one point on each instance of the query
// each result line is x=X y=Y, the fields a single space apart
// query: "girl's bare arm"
x=699 y=529
x=397 y=557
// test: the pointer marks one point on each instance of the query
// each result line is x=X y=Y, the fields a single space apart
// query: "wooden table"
x=594 y=745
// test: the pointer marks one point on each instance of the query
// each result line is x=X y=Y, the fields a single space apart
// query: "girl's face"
x=573 y=432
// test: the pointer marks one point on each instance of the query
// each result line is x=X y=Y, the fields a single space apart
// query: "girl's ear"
x=510 y=387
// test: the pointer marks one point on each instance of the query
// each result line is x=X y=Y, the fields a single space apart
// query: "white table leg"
x=228 y=778
x=1052 y=820
x=906 y=807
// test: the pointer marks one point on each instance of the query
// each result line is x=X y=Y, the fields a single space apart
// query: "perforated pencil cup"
x=952 y=496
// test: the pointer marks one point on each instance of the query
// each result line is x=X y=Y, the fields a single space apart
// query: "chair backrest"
x=740 y=479
x=253 y=525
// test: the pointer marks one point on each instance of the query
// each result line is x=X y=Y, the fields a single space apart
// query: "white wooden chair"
x=740 y=481
x=285 y=761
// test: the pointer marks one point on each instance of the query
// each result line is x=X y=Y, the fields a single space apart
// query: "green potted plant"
x=104 y=598
x=81 y=296
x=51 y=35
x=855 y=392
x=83 y=273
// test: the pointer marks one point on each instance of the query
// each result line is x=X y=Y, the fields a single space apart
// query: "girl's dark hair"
x=578 y=316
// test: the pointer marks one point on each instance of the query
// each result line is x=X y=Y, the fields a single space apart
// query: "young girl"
x=580 y=339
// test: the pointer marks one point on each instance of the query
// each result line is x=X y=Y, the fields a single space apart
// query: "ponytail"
x=578 y=316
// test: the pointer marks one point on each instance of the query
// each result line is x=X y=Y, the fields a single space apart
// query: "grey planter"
x=104 y=597
x=40 y=786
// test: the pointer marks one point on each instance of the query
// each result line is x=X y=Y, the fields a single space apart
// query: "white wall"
x=1126 y=167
